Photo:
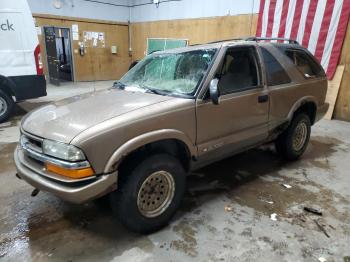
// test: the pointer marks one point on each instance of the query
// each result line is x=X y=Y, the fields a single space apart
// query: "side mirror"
x=214 y=91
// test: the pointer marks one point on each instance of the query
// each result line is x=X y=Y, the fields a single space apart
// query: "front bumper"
x=321 y=111
x=75 y=191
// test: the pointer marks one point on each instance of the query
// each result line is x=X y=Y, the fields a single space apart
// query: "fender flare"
x=144 y=139
x=299 y=103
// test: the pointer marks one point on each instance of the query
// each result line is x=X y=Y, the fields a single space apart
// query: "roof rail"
x=256 y=39
x=253 y=38
x=226 y=40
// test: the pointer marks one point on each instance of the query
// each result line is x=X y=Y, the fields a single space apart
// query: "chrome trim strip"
x=39 y=139
x=55 y=161
x=27 y=141
x=38 y=169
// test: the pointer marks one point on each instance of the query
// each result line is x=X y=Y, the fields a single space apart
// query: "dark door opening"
x=59 y=54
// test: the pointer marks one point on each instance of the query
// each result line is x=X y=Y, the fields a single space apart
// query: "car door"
x=240 y=120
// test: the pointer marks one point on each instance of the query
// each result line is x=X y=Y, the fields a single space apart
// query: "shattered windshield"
x=169 y=73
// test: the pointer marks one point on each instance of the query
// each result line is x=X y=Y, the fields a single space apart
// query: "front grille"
x=31 y=144
x=35 y=144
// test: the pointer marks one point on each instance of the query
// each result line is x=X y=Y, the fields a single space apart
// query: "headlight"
x=62 y=151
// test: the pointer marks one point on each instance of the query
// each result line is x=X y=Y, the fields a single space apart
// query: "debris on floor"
x=346 y=259
x=313 y=211
x=228 y=209
x=287 y=186
x=322 y=259
x=267 y=201
x=273 y=217
x=302 y=217
x=322 y=228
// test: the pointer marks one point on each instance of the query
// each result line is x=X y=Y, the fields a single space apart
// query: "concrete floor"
x=225 y=215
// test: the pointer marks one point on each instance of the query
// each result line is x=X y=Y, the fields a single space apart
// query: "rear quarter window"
x=304 y=63
x=275 y=73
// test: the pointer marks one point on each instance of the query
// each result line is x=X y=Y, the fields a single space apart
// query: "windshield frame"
x=195 y=92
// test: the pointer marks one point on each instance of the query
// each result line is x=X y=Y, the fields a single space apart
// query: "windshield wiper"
x=164 y=92
x=119 y=85
x=155 y=91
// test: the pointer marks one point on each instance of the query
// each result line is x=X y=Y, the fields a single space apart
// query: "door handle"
x=263 y=98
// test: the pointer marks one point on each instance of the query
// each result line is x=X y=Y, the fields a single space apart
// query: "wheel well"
x=173 y=147
x=308 y=108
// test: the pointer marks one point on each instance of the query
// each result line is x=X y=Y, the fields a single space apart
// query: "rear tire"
x=292 y=143
x=148 y=196
x=6 y=106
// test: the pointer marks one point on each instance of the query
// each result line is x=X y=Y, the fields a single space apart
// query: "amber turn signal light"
x=71 y=173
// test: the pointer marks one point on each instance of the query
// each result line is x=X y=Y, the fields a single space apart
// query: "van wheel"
x=6 y=106
x=150 y=194
x=292 y=143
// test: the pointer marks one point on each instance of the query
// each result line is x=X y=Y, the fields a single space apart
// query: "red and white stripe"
x=319 y=25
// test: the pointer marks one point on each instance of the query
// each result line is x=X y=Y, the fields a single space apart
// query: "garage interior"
x=248 y=207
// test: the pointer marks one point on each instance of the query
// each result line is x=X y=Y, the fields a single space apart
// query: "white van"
x=21 y=71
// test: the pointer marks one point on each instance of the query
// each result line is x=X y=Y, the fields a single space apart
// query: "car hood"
x=65 y=119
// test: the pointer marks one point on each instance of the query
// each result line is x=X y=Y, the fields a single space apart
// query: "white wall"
x=83 y=9
x=183 y=9
x=191 y=9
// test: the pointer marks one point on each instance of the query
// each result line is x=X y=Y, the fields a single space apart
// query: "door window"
x=239 y=71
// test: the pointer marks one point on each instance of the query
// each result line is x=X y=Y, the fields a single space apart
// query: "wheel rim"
x=300 y=135
x=156 y=193
x=3 y=106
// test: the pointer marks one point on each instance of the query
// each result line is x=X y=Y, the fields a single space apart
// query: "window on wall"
x=161 y=44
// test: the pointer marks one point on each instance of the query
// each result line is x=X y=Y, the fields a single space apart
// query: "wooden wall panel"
x=195 y=30
x=342 y=107
x=333 y=91
x=97 y=63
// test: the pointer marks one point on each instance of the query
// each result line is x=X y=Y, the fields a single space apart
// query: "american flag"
x=319 y=25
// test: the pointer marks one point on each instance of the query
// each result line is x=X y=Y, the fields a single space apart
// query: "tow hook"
x=35 y=192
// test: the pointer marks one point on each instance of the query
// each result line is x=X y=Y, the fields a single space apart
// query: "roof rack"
x=226 y=40
x=253 y=38
x=256 y=39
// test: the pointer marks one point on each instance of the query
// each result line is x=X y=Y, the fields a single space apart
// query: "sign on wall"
x=94 y=39
x=75 y=32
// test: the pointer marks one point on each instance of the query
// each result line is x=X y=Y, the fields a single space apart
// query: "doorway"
x=59 y=54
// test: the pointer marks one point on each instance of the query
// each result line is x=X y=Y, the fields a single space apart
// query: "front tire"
x=150 y=194
x=6 y=106
x=292 y=143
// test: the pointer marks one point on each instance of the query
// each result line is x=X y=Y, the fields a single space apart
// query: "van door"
x=51 y=53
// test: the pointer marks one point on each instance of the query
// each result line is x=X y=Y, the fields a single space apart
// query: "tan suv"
x=174 y=112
